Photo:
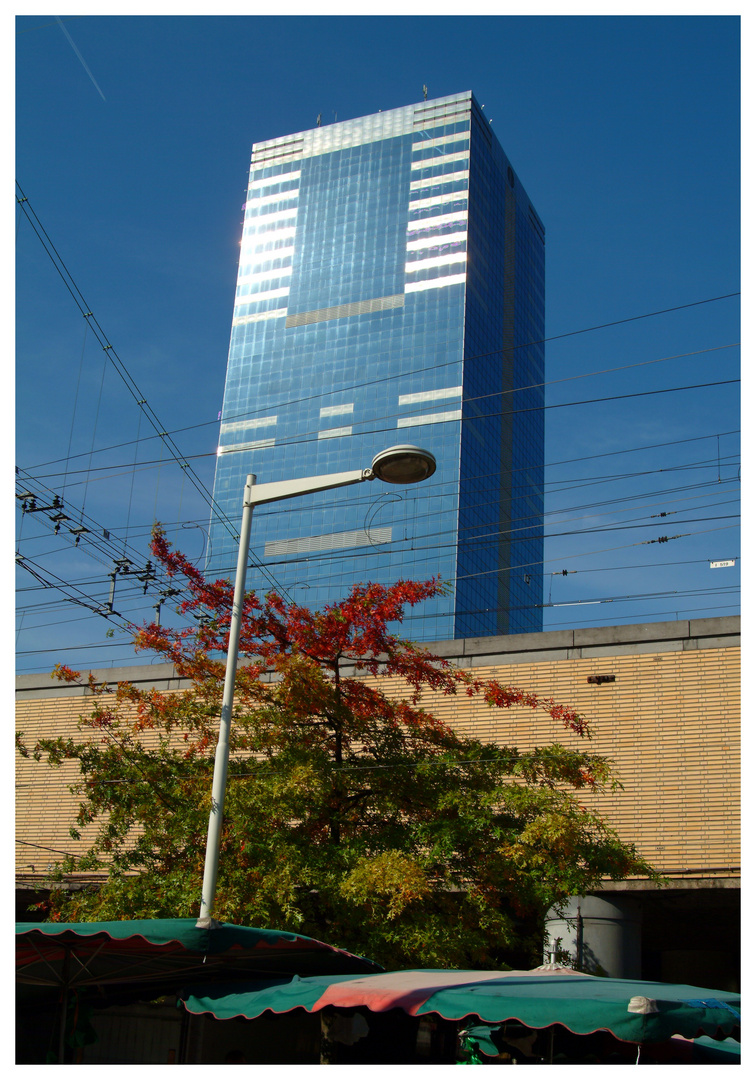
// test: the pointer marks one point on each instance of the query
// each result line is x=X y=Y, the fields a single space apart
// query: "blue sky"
x=132 y=146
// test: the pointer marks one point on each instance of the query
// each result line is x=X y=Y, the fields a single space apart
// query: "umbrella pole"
x=328 y=1053
x=64 y=1006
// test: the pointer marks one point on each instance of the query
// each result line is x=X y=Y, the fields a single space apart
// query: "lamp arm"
x=289 y=489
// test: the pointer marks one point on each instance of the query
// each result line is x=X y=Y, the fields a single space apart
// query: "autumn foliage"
x=351 y=814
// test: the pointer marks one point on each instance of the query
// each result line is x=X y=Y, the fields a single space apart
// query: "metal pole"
x=64 y=1005
x=390 y=465
x=220 y=769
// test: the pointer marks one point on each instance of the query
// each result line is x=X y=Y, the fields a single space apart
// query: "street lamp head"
x=404 y=465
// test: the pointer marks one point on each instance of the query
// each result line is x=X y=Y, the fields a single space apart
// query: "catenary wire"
x=388 y=378
x=626 y=320
x=121 y=368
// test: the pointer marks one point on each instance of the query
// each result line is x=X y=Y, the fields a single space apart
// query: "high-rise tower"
x=391 y=290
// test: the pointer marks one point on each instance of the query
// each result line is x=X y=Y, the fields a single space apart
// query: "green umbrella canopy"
x=638 y=1012
x=708 y=1051
x=162 y=954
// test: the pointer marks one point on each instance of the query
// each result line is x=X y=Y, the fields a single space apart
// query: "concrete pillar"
x=602 y=937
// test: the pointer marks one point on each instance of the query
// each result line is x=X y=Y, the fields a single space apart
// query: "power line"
x=665 y=493
x=484 y=476
x=121 y=369
x=512 y=524
x=184 y=461
x=312 y=437
x=411 y=616
x=109 y=349
x=388 y=378
x=413 y=546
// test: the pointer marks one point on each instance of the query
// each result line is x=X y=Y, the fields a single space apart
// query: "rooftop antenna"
x=320 y=115
x=425 y=92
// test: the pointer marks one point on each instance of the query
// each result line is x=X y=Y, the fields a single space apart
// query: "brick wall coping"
x=551 y=645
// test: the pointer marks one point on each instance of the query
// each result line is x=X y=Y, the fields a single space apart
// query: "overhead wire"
x=512 y=524
x=112 y=355
x=129 y=583
x=547 y=465
x=599 y=480
x=414 y=617
x=181 y=460
x=519 y=566
x=486 y=538
x=435 y=367
x=79 y=300
x=560 y=559
x=313 y=435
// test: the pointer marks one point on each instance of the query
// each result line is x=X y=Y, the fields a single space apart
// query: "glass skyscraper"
x=390 y=290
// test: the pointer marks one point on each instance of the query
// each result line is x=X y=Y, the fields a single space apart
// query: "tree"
x=351 y=814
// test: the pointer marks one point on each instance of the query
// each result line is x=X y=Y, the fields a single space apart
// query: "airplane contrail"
x=81 y=58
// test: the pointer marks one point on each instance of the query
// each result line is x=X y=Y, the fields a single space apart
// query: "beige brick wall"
x=670 y=721
x=44 y=807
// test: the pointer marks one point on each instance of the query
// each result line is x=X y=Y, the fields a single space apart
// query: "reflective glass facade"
x=390 y=290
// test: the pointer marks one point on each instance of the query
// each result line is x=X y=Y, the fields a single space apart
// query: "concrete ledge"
x=684 y=634
x=673 y=884
x=550 y=646
x=157 y=676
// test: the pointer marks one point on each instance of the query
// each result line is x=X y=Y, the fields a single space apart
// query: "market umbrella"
x=634 y=1011
x=142 y=952
x=135 y=958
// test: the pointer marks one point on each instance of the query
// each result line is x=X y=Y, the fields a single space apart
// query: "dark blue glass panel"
x=355 y=329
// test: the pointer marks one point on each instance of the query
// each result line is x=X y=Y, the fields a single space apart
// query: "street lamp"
x=397 y=465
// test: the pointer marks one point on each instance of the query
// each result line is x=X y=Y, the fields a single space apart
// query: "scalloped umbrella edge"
x=632 y=1010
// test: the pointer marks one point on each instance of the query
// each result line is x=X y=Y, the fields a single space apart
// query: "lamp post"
x=397 y=465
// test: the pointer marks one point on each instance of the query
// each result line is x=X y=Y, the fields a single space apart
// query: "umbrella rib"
x=83 y=964
x=45 y=961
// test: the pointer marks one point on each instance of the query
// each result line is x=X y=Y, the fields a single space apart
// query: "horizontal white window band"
x=430 y=395
x=271 y=294
x=447 y=259
x=258 y=316
x=441 y=238
x=434 y=181
x=282 y=154
x=430 y=182
x=334 y=433
x=269 y=181
x=455 y=217
x=257 y=212
x=257 y=444
x=255 y=203
x=427 y=163
x=437 y=200
x=262 y=275
x=284 y=236
x=336 y=410
x=329 y=541
x=270 y=264
x=429 y=418
x=254 y=226
x=434 y=119
x=441 y=142
x=247 y=425
x=435 y=283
